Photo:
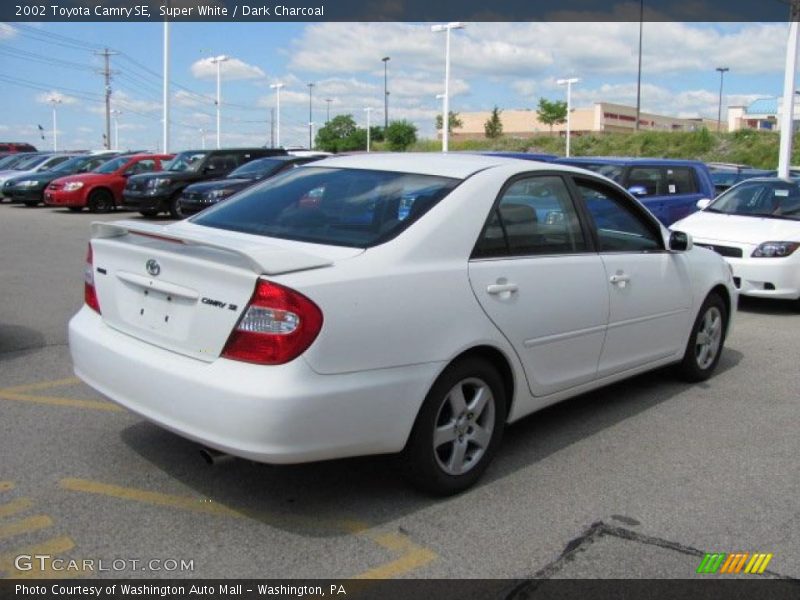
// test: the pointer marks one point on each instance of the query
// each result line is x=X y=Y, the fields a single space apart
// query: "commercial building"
x=762 y=114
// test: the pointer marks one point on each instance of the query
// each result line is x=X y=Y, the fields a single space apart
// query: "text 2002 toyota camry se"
x=393 y=303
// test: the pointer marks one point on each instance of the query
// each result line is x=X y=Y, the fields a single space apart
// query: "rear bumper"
x=273 y=414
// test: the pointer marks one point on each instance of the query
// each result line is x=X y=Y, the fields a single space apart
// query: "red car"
x=101 y=190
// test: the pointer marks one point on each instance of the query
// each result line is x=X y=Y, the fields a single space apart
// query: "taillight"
x=278 y=325
x=89 y=293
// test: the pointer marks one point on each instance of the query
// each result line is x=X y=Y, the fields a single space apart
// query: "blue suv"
x=669 y=188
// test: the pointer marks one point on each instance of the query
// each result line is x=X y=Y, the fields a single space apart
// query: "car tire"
x=175 y=208
x=458 y=429
x=148 y=213
x=100 y=201
x=706 y=341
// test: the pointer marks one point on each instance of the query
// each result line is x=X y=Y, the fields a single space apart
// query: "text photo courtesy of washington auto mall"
x=325 y=298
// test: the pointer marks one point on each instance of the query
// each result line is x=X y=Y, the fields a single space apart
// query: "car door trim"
x=558 y=337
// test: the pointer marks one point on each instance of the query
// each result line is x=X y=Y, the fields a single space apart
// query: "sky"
x=509 y=65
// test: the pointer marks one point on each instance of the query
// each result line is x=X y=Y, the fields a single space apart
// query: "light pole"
x=639 y=76
x=787 y=116
x=385 y=60
x=202 y=139
x=328 y=101
x=277 y=87
x=722 y=71
x=165 y=91
x=55 y=101
x=446 y=114
x=568 y=83
x=116 y=113
x=368 y=110
x=310 y=119
x=218 y=60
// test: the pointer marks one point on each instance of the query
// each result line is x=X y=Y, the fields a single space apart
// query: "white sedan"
x=410 y=304
x=755 y=225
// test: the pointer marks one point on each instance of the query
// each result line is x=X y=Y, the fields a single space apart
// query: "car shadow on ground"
x=768 y=306
x=371 y=488
x=15 y=339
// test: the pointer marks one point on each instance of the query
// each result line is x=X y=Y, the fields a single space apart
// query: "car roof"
x=459 y=166
x=627 y=160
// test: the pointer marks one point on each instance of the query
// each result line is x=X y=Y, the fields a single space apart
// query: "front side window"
x=187 y=161
x=113 y=164
x=619 y=226
x=535 y=216
x=342 y=207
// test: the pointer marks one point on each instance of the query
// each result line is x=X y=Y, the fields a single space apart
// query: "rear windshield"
x=341 y=207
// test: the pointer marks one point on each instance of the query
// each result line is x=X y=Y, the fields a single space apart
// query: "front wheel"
x=704 y=347
x=458 y=429
x=101 y=201
x=175 y=210
x=148 y=213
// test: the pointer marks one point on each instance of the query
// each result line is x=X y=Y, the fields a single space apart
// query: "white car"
x=755 y=225
x=411 y=303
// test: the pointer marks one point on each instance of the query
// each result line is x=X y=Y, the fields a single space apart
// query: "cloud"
x=232 y=69
x=7 y=31
x=47 y=97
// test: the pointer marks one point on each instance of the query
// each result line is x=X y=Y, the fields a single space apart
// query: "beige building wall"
x=602 y=116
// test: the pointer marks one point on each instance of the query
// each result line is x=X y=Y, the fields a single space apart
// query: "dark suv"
x=152 y=193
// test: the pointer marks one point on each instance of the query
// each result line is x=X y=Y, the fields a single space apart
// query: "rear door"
x=538 y=279
x=650 y=290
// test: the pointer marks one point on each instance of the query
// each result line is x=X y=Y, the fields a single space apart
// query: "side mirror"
x=209 y=168
x=680 y=241
x=638 y=190
x=702 y=203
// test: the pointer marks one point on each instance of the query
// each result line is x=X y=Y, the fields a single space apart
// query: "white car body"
x=773 y=277
x=395 y=316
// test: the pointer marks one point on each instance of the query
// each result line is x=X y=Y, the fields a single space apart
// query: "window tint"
x=144 y=166
x=619 y=226
x=680 y=180
x=344 y=207
x=650 y=178
x=534 y=216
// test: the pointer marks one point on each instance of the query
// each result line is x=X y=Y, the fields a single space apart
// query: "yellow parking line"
x=24 y=526
x=50 y=547
x=57 y=401
x=15 y=506
x=411 y=556
x=43 y=385
x=6 y=486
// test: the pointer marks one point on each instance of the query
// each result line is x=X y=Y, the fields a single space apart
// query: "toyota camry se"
x=393 y=303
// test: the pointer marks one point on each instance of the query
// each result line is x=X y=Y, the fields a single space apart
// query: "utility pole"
x=106 y=72
x=310 y=119
x=116 y=114
x=277 y=87
x=639 y=76
x=722 y=71
x=165 y=91
x=385 y=60
x=368 y=110
x=218 y=60
x=55 y=101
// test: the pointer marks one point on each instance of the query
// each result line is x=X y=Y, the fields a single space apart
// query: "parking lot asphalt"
x=636 y=480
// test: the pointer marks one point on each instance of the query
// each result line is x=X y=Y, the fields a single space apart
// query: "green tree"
x=376 y=133
x=400 y=135
x=452 y=123
x=552 y=113
x=493 y=126
x=341 y=134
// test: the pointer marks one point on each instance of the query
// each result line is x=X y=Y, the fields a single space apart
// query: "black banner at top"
x=395 y=10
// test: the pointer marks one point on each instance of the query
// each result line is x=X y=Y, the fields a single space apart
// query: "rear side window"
x=681 y=180
x=650 y=178
x=535 y=216
x=342 y=207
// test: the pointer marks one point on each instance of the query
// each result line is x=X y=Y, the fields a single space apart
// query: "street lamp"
x=722 y=71
x=368 y=110
x=385 y=60
x=54 y=100
x=568 y=83
x=446 y=116
x=310 y=119
x=116 y=113
x=277 y=87
x=218 y=60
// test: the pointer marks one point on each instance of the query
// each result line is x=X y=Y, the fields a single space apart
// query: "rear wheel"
x=706 y=341
x=75 y=209
x=148 y=213
x=31 y=203
x=175 y=207
x=458 y=429
x=100 y=201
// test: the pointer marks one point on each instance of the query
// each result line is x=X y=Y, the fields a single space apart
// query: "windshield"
x=32 y=162
x=341 y=207
x=71 y=165
x=112 y=165
x=776 y=199
x=187 y=161
x=256 y=168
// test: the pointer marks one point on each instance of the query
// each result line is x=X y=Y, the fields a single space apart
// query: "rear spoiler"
x=262 y=258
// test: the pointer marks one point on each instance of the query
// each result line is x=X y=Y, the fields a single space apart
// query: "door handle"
x=619 y=278
x=499 y=288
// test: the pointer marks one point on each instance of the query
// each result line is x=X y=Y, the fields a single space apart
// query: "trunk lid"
x=183 y=287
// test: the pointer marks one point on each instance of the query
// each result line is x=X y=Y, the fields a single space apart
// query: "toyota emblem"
x=153 y=267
